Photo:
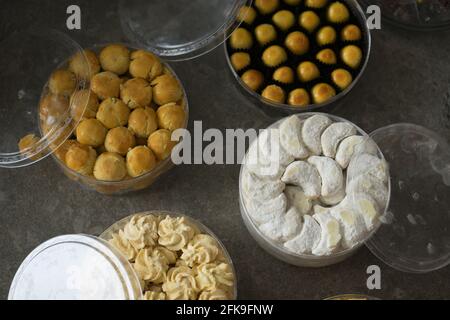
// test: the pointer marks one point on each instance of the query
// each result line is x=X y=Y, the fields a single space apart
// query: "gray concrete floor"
x=408 y=80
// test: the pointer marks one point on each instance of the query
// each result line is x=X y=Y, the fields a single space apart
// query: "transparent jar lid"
x=414 y=235
x=415 y=14
x=75 y=267
x=28 y=108
x=182 y=29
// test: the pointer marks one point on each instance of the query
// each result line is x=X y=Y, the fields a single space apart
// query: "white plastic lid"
x=27 y=60
x=182 y=29
x=75 y=267
x=415 y=232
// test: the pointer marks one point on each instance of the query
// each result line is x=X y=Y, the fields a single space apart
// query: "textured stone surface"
x=408 y=80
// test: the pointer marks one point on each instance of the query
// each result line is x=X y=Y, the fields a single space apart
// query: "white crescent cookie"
x=271 y=148
x=297 y=199
x=258 y=164
x=331 y=174
x=366 y=206
x=312 y=131
x=266 y=211
x=367 y=164
x=283 y=227
x=304 y=175
x=330 y=236
x=308 y=238
x=260 y=189
x=353 y=226
x=333 y=135
x=291 y=138
x=334 y=199
x=370 y=185
x=352 y=146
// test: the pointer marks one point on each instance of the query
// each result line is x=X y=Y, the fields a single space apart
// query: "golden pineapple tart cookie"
x=299 y=98
x=52 y=108
x=253 y=79
x=106 y=85
x=62 y=82
x=84 y=64
x=247 y=14
x=241 y=39
x=284 y=75
x=342 y=78
x=115 y=58
x=27 y=143
x=274 y=56
x=274 y=93
x=145 y=65
x=316 y=3
x=351 y=33
x=136 y=93
x=297 y=43
x=170 y=116
x=119 y=140
x=160 y=142
x=240 y=60
x=166 y=89
x=142 y=122
x=326 y=35
x=84 y=104
x=140 y=160
x=113 y=113
x=308 y=71
x=267 y=6
x=265 y=33
x=284 y=19
x=309 y=20
x=337 y=12
x=110 y=167
x=352 y=56
x=292 y=2
x=327 y=56
x=81 y=158
x=322 y=92
x=91 y=132
x=62 y=150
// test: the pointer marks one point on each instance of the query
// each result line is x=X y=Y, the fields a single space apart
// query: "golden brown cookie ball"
x=145 y=65
x=241 y=39
x=274 y=56
x=284 y=75
x=106 y=85
x=84 y=104
x=84 y=64
x=326 y=35
x=247 y=14
x=342 y=78
x=299 y=98
x=110 y=167
x=28 y=142
x=240 y=60
x=274 y=93
x=113 y=113
x=352 y=56
x=61 y=152
x=307 y=71
x=81 y=158
x=253 y=79
x=119 y=140
x=136 y=93
x=142 y=122
x=52 y=108
x=91 y=132
x=297 y=42
x=265 y=33
x=292 y=2
x=309 y=20
x=266 y=6
x=166 y=89
x=170 y=116
x=322 y=92
x=351 y=33
x=62 y=82
x=140 y=160
x=338 y=12
x=115 y=58
x=327 y=56
x=316 y=3
x=284 y=19
x=160 y=142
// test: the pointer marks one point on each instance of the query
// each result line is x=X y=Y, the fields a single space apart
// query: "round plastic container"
x=277 y=250
x=129 y=184
x=84 y=267
x=274 y=109
x=349 y=297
